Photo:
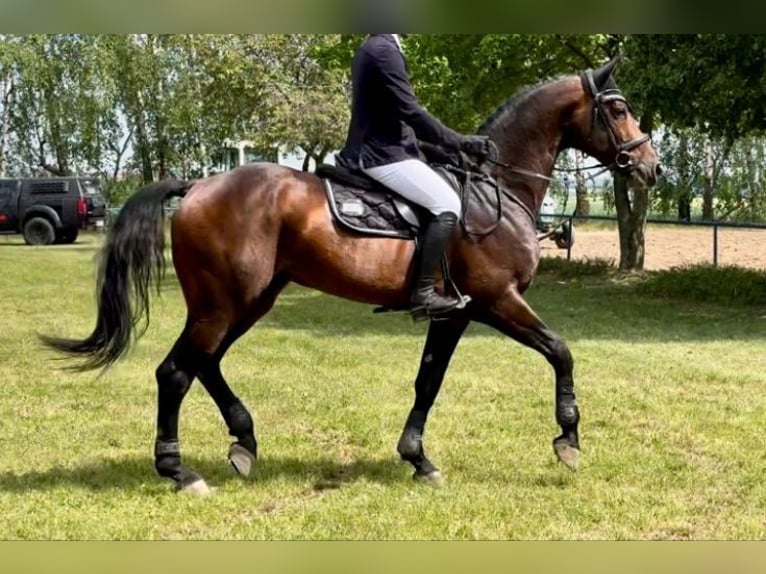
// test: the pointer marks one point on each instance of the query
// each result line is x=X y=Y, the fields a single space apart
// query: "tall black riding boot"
x=434 y=239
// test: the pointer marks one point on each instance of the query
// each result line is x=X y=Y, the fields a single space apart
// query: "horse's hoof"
x=241 y=459
x=567 y=454
x=433 y=478
x=197 y=488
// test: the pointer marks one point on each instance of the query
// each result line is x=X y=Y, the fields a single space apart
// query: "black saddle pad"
x=362 y=205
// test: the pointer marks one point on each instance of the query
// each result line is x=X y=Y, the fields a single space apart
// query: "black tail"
x=132 y=258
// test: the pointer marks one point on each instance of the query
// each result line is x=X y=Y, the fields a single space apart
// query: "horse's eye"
x=619 y=111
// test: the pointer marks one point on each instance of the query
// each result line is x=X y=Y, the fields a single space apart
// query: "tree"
x=11 y=61
x=713 y=82
x=306 y=92
x=581 y=187
x=693 y=165
x=58 y=102
x=183 y=95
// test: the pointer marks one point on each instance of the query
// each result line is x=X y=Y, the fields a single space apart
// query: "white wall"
x=295 y=159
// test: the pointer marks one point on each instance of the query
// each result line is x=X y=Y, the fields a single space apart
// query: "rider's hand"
x=476 y=146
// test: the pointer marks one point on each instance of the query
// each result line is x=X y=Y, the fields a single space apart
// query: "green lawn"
x=669 y=391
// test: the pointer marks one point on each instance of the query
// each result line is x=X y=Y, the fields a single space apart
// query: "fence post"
x=715 y=245
x=569 y=239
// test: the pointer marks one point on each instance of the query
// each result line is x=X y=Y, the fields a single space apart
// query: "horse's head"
x=605 y=128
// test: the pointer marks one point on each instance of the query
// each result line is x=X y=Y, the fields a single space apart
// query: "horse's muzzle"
x=647 y=173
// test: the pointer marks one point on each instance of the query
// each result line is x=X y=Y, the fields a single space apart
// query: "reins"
x=535 y=175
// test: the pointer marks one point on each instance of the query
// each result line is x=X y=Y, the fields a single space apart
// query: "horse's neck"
x=531 y=141
x=537 y=162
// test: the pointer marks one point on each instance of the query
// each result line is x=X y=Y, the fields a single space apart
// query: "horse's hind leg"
x=513 y=317
x=174 y=379
x=244 y=451
x=198 y=352
x=443 y=337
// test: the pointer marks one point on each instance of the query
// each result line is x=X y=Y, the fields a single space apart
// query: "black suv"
x=50 y=209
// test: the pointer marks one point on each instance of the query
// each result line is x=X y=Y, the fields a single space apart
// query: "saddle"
x=362 y=205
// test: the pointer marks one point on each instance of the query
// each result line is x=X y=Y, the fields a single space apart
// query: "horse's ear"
x=601 y=75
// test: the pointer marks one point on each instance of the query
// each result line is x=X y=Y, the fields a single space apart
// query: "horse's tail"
x=130 y=261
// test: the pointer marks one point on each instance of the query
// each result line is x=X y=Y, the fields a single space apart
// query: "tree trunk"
x=162 y=157
x=684 y=190
x=631 y=222
x=5 y=124
x=143 y=149
x=59 y=148
x=56 y=170
x=709 y=180
x=119 y=152
x=631 y=214
x=684 y=206
x=752 y=182
x=142 y=141
x=581 y=194
x=313 y=154
x=306 y=161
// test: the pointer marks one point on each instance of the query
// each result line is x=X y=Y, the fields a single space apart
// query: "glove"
x=476 y=146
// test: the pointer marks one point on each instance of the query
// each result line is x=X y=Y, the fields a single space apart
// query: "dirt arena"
x=670 y=246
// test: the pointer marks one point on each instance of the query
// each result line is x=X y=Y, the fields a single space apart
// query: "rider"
x=386 y=122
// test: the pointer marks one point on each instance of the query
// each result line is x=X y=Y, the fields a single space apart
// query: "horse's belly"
x=368 y=269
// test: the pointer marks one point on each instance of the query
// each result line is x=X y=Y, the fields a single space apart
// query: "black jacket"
x=386 y=118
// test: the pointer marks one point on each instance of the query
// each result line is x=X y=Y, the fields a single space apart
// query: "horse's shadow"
x=134 y=473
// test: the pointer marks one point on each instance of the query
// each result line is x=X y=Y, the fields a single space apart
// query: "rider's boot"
x=434 y=239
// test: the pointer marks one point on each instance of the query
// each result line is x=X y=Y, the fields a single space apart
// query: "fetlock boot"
x=434 y=240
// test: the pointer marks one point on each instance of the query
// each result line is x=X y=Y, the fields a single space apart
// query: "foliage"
x=727 y=285
x=183 y=95
x=576 y=268
x=682 y=155
x=60 y=103
x=462 y=78
x=117 y=191
x=307 y=95
x=702 y=283
x=709 y=81
x=697 y=165
x=88 y=103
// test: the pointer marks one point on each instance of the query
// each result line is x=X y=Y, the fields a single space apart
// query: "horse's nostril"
x=658 y=170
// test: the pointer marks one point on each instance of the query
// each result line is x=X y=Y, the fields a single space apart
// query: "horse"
x=239 y=237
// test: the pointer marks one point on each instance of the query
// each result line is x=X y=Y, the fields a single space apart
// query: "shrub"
x=588 y=267
x=728 y=285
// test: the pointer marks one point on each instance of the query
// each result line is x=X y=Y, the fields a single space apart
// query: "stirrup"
x=422 y=312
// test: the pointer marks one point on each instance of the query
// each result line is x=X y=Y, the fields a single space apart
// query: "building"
x=236 y=153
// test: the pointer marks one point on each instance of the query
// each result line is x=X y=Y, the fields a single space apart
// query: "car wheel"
x=39 y=231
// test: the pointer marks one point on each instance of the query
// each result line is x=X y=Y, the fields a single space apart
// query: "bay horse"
x=238 y=238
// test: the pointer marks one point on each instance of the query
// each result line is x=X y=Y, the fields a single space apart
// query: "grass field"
x=669 y=391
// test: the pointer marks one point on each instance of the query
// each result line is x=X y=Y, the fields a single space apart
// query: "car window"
x=93 y=193
x=91 y=188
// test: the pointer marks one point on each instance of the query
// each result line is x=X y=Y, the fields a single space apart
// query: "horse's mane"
x=510 y=106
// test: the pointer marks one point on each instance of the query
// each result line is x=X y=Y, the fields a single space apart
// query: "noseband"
x=622 y=158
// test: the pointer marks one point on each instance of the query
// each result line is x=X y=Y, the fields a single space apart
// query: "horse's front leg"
x=443 y=336
x=512 y=316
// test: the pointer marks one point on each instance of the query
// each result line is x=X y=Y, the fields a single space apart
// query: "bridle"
x=622 y=158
